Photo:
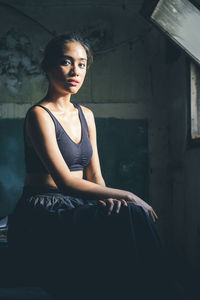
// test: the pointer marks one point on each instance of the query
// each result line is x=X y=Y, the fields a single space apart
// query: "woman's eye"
x=82 y=65
x=65 y=62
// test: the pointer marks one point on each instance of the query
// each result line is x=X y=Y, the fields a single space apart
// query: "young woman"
x=78 y=237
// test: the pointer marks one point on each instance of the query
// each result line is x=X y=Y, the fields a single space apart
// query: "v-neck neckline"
x=81 y=139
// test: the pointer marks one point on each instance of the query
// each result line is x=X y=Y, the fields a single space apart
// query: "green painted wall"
x=123 y=150
x=11 y=163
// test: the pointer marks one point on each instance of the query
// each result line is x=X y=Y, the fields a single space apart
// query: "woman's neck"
x=57 y=100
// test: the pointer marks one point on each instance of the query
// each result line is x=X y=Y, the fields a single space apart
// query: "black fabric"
x=73 y=249
x=76 y=156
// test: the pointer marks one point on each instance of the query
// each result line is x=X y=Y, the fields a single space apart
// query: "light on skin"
x=67 y=75
x=66 y=78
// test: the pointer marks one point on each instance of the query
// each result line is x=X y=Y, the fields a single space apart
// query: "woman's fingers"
x=118 y=206
x=110 y=203
x=153 y=215
x=102 y=202
x=113 y=204
x=124 y=202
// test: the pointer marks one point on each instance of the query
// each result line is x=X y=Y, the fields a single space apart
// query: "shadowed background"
x=137 y=89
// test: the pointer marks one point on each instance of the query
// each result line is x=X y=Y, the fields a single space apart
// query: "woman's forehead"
x=74 y=49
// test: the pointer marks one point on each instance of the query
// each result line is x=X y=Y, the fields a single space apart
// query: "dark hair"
x=55 y=47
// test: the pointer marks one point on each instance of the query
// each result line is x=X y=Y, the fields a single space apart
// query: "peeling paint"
x=16 y=61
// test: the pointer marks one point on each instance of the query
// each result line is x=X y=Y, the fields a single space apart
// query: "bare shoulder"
x=88 y=114
x=37 y=117
x=37 y=113
x=87 y=111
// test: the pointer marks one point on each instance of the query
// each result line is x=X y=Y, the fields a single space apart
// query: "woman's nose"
x=74 y=70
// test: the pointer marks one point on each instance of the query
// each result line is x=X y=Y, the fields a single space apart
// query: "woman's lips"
x=73 y=82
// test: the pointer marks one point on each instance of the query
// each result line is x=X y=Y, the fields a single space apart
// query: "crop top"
x=76 y=156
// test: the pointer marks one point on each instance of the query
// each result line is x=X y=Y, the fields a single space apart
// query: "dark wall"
x=127 y=81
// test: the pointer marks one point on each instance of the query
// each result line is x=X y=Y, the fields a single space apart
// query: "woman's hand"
x=115 y=205
x=112 y=204
x=131 y=198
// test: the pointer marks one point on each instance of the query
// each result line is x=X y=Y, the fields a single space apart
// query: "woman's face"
x=68 y=74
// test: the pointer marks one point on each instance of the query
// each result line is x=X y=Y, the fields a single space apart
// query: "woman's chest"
x=71 y=125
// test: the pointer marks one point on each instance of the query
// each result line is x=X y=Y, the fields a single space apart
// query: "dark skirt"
x=75 y=250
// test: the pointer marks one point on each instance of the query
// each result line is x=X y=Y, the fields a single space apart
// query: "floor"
x=24 y=293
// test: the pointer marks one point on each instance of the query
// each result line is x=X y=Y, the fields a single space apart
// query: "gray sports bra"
x=76 y=156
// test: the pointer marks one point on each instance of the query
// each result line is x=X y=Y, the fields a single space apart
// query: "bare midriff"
x=40 y=179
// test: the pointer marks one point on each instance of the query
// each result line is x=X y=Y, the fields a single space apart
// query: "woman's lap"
x=82 y=247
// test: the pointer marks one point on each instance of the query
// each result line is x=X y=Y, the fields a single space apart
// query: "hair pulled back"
x=54 y=49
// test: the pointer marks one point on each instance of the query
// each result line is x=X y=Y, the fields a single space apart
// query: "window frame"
x=146 y=11
x=194 y=142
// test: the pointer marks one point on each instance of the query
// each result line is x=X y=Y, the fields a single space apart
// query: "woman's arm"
x=93 y=170
x=41 y=131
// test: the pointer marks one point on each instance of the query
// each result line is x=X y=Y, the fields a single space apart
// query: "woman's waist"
x=39 y=179
x=45 y=179
x=31 y=189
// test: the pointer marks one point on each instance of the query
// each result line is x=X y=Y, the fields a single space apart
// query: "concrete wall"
x=184 y=168
x=128 y=80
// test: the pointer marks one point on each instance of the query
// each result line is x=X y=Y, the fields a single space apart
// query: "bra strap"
x=50 y=113
x=82 y=116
